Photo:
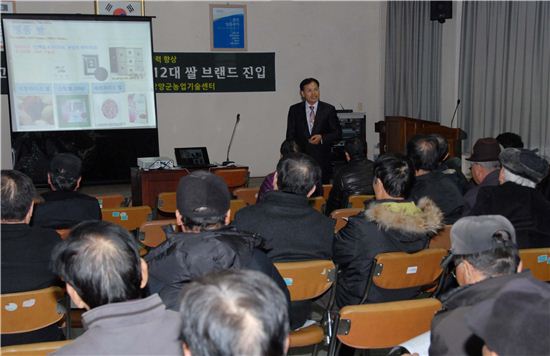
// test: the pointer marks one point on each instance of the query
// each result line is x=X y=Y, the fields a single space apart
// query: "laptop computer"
x=192 y=157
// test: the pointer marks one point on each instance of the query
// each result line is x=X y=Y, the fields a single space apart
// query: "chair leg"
x=315 y=349
x=68 y=331
x=334 y=345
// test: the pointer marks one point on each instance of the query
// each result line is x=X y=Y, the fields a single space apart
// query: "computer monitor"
x=192 y=157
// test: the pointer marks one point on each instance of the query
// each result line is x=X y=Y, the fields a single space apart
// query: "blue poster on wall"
x=228 y=27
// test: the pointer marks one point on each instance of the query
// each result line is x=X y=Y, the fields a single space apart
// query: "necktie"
x=311 y=119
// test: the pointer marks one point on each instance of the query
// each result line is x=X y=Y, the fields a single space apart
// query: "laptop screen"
x=192 y=157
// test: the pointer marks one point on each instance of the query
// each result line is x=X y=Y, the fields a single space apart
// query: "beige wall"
x=340 y=43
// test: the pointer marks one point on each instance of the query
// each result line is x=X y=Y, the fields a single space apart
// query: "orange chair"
x=341 y=216
x=64 y=233
x=34 y=349
x=326 y=190
x=382 y=325
x=235 y=205
x=442 y=239
x=538 y=261
x=151 y=233
x=307 y=280
x=129 y=218
x=358 y=201
x=317 y=203
x=110 y=200
x=234 y=177
x=166 y=202
x=249 y=195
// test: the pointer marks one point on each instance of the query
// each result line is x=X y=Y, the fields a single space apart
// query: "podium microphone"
x=227 y=161
x=454 y=114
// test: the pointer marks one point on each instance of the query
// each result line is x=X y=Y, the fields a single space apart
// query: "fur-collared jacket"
x=385 y=226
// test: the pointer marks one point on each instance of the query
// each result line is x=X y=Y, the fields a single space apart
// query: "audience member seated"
x=431 y=182
x=517 y=199
x=510 y=139
x=104 y=274
x=234 y=313
x=63 y=206
x=485 y=169
x=287 y=147
x=26 y=251
x=544 y=187
x=451 y=166
x=515 y=321
x=485 y=259
x=206 y=243
x=389 y=224
x=354 y=178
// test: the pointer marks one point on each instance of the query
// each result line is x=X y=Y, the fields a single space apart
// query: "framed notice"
x=228 y=27
x=120 y=8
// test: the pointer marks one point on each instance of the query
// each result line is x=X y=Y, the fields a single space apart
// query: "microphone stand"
x=227 y=161
x=456 y=108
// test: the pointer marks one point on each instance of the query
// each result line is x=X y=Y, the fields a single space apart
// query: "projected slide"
x=79 y=74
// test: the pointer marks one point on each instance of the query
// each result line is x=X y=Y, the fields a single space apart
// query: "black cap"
x=202 y=194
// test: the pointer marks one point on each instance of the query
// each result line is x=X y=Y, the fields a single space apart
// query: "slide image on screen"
x=74 y=74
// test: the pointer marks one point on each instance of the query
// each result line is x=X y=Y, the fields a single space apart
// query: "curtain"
x=413 y=61
x=504 y=71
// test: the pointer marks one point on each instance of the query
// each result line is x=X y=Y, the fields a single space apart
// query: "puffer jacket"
x=184 y=257
x=355 y=178
x=385 y=226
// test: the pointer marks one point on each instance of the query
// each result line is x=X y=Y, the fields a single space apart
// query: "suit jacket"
x=326 y=124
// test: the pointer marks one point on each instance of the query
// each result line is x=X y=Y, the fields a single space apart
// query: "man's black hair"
x=240 y=312
x=510 y=139
x=442 y=145
x=204 y=223
x=289 y=146
x=18 y=191
x=100 y=260
x=307 y=81
x=423 y=151
x=297 y=173
x=65 y=170
x=395 y=173
x=356 y=148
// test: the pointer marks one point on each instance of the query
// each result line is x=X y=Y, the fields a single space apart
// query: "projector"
x=155 y=163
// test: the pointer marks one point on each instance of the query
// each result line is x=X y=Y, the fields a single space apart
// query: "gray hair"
x=489 y=165
x=514 y=178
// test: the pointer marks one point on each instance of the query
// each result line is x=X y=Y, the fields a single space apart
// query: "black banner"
x=204 y=72
x=213 y=72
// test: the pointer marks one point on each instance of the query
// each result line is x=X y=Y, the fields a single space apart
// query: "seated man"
x=355 y=178
x=234 y=313
x=287 y=147
x=452 y=167
x=104 y=274
x=63 y=206
x=486 y=259
x=389 y=224
x=485 y=169
x=292 y=229
x=517 y=199
x=206 y=243
x=26 y=251
x=430 y=182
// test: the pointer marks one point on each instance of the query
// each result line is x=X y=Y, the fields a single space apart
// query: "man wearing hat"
x=485 y=169
x=516 y=321
x=517 y=199
x=485 y=258
x=64 y=206
x=206 y=244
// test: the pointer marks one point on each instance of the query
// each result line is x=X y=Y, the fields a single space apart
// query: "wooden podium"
x=396 y=131
x=147 y=184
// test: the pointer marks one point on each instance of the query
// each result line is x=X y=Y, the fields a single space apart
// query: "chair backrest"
x=129 y=218
x=64 y=233
x=326 y=190
x=397 y=270
x=34 y=349
x=235 y=205
x=538 y=261
x=307 y=279
x=383 y=325
x=249 y=195
x=151 y=233
x=358 y=201
x=166 y=202
x=341 y=216
x=233 y=177
x=442 y=239
x=317 y=203
x=110 y=200
x=29 y=311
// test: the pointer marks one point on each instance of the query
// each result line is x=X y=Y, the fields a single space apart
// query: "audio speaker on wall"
x=441 y=10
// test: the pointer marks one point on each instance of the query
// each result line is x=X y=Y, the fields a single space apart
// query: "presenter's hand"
x=315 y=139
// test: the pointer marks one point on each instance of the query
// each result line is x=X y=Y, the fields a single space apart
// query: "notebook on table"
x=192 y=157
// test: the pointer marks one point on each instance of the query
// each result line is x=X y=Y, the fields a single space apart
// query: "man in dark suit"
x=314 y=126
